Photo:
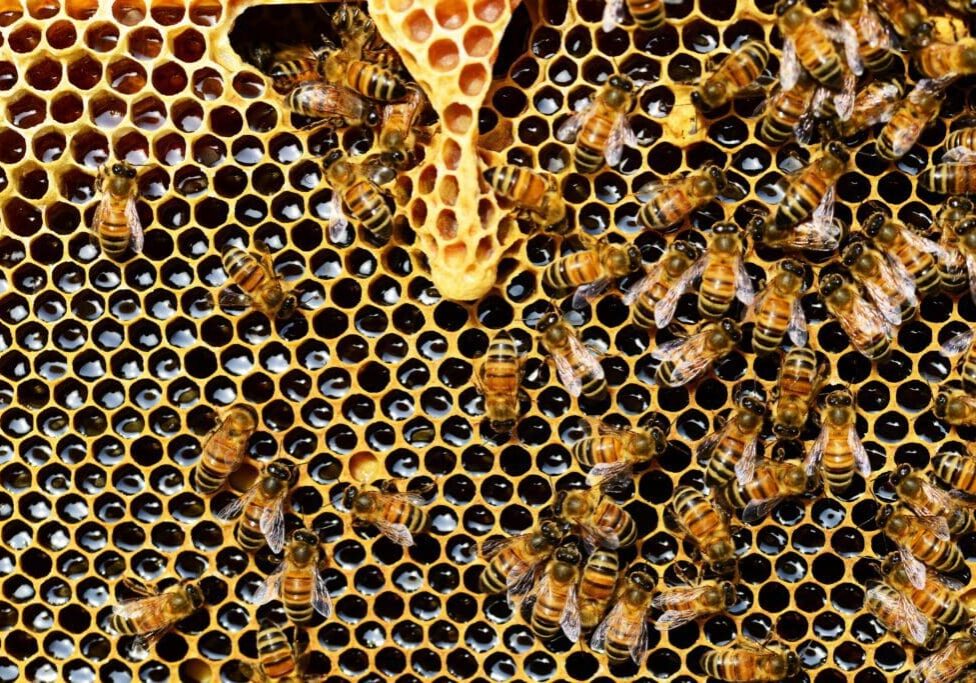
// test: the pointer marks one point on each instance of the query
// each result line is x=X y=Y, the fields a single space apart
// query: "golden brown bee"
x=731 y=451
x=753 y=662
x=263 y=508
x=951 y=177
x=947 y=664
x=920 y=542
x=556 y=609
x=779 y=311
x=333 y=105
x=601 y=128
x=808 y=44
x=578 y=368
x=673 y=199
x=682 y=360
x=773 y=482
x=821 y=233
x=647 y=14
x=354 y=192
x=398 y=516
x=707 y=526
x=498 y=380
x=116 y=222
x=591 y=271
x=874 y=103
x=938 y=59
x=352 y=24
x=812 y=187
x=375 y=81
x=278 y=660
x=864 y=324
x=897 y=614
x=534 y=193
x=961 y=138
x=800 y=377
x=223 y=451
x=261 y=288
x=873 y=42
x=399 y=124
x=611 y=453
x=596 y=519
x=887 y=283
x=512 y=561
x=298 y=581
x=963 y=345
x=787 y=113
x=838 y=451
x=966 y=237
x=956 y=407
x=623 y=634
x=953 y=272
x=655 y=297
x=910 y=118
x=905 y=249
x=938 y=600
x=153 y=612
x=945 y=513
x=683 y=604
x=290 y=67
x=597 y=586
x=724 y=277
x=957 y=470
x=734 y=77
x=908 y=18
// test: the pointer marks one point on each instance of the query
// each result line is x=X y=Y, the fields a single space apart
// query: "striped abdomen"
x=717 y=289
x=957 y=470
x=609 y=515
x=572 y=270
x=244 y=269
x=249 y=534
x=275 y=654
x=367 y=205
x=647 y=14
x=113 y=230
x=817 y=54
x=802 y=196
x=668 y=207
x=592 y=141
x=220 y=457
x=548 y=609
x=296 y=594
x=724 y=456
x=374 y=81
x=598 y=449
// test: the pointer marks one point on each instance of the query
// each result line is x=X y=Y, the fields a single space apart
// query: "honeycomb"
x=112 y=372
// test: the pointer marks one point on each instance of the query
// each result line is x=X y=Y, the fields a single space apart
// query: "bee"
x=372 y=80
x=951 y=262
x=888 y=284
x=261 y=288
x=683 y=604
x=654 y=299
x=947 y=664
x=753 y=662
x=724 y=277
x=578 y=369
x=956 y=407
x=333 y=105
x=734 y=77
x=938 y=599
x=512 y=561
x=534 y=193
x=556 y=609
x=707 y=526
x=263 y=508
x=731 y=450
x=154 y=612
x=596 y=586
x=812 y=187
x=920 y=543
x=398 y=516
x=808 y=44
x=950 y=177
x=787 y=112
x=864 y=324
x=948 y=60
x=611 y=453
x=909 y=19
x=905 y=249
x=800 y=377
x=957 y=470
x=597 y=519
x=779 y=310
x=966 y=234
x=223 y=451
x=672 y=200
x=591 y=271
x=838 y=446
x=355 y=26
x=498 y=380
x=859 y=19
x=601 y=128
x=682 y=360
x=297 y=581
x=821 y=233
x=961 y=138
x=772 y=482
x=354 y=192
x=278 y=660
x=623 y=633
x=963 y=343
x=647 y=14
x=293 y=66
x=910 y=118
x=897 y=614
x=116 y=222
x=943 y=512
x=874 y=103
x=398 y=126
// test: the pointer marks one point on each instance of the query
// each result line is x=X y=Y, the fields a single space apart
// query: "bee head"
x=872 y=226
x=569 y=554
x=795 y=267
x=830 y=284
x=195 y=596
x=725 y=229
x=729 y=595
x=731 y=330
x=123 y=170
x=786 y=431
x=660 y=439
x=633 y=258
x=551 y=532
x=884 y=514
x=890 y=563
x=548 y=320
x=305 y=536
x=901 y=478
x=331 y=158
x=756 y=227
x=502 y=426
x=281 y=469
x=941 y=403
x=837 y=150
x=619 y=82
x=349 y=497
x=792 y=663
x=938 y=635
x=753 y=404
x=725 y=567
x=642 y=580
x=288 y=307
x=689 y=250
x=852 y=252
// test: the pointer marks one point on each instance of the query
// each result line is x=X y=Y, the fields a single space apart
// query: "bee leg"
x=388 y=486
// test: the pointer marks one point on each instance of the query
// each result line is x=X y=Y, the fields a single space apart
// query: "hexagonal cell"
x=129 y=12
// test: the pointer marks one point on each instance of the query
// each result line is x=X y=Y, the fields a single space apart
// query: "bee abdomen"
x=375 y=81
x=648 y=14
x=367 y=205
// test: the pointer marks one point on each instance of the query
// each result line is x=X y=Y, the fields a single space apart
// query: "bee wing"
x=755 y=510
x=613 y=14
x=588 y=292
x=861 y=460
x=913 y=568
x=960 y=343
x=621 y=134
x=959 y=155
x=690 y=359
x=675 y=597
x=608 y=474
x=602 y=535
x=944 y=665
x=573 y=384
x=598 y=640
x=713 y=439
x=745 y=468
x=321 y=600
x=587 y=357
x=812 y=460
x=744 y=290
x=971 y=272
x=136 y=238
x=492 y=546
x=889 y=309
x=935 y=525
x=642 y=285
x=272 y=524
x=816 y=234
x=570 y=620
x=571 y=126
x=797 y=329
x=337 y=219
x=897 y=273
x=141 y=607
x=665 y=308
x=519 y=580
x=398 y=533
x=790 y=68
x=673 y=618
x=868 y=316
x=852 y=53
x=922 y=243
x=909 y=615
x=638 y=651
x=270 y=589
x=233 y=298
x=235 y=507
x=844 y=100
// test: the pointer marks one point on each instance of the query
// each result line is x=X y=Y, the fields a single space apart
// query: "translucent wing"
x=894 y=603
x=679 y=596
x=270 y=589
x=913 y=568
x=398 y=533
x=861 y=460
x=573 y=384
x=272 y=524
x=921 y=243
x=608 y=473
x=665 y=308
x=588 y=292
x=812 y=460
x=638 y=651
x=944 y=665
x=673 y=618
x=643 y=285
x=960 y=343
x=790 y=68
x=141 y=607
x=613 y=14
x=321 y=600
x=844 y=100
x=598 y=640
x=888 y=307
x=519 y=580
x=571 y=126
x=337 y=219
x=689 y=357
x=869 y=317
x=586 y=357
x=235 y=507
x=873 y=29
x=745 y=469
x=713 y=439
x=959 y=155
x=744 y=291
x=897 y=273
x=233 y=298
x=971 y=271
x=492 y=546
x=848 y=38
x=620 y=135
x=757 y=509
x=136 y=238
x=797 y=329
x=816 y=234
x=570 y=618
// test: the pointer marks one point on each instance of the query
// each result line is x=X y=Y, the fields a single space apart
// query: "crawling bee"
x=909 y=19
x=956 y=407
x=611 y=453
x=600 y=127
x=623 y=634
x=838 y=450
x=736 y=76
x=670 y=201
x=724 y=277
x=905 y=249
x=534 y=193
x=290 y=67
x=752 y=662
x=953 y=272
x=707 y=526
x=732 y=450
x=683 y=604
x=889 y=285
x=682 y=360
x=779 y=311
x=654 y=298
x=368 y=78
x=512 y=561
x=813 y=186
x=800 y=377
x=773 y=482
x=298 y=581
x=278 y=660
x=647 y=14
x=874 y=103
x=946 y=514
x=332 y=105
x=263 y=507
x=399 y=125
x=964 y=345
x=498 y=380
x=864 y=324
x=116 y=222
x=966 y=233
x=910 y=118
x=920 y=543
x=260 y=287
x=939 y=598
x=897 y=614
x=354 y=192
x=154 y=612
x=223 y=451
x=591 y=271
x=578 y=369
x=597 y=586
x=859 y=19
x=938 y=59
x=398 y=516
x=821 y=233
x=597 y=519
x=948 y=663
x=787 y=113
x=556 y=609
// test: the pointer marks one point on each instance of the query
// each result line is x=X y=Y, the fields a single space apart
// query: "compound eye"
x=117 y=169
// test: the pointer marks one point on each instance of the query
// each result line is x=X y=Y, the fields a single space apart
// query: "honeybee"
x=949 y=662
x=800 y=377
x=864 y=324
x=682 y=360
x=920 y=543
x=591 y=271
x=398 y=516
x=950 y=177
x=498 y=380
x=154 y=612
x=897 y=614
x=961 y=139
x=731 y=450
x=654 y=298
x=708 y=527
x=647 y=14
x=812 y=187
x=683 y=604
x=534 y=193
x=888 y=284
x=838 y=447
x=939 y=59
x=512 y=561
x=354 y=192
x=772 y=483
x=905 y=249
x=724 y=277
x=943 y=512
x=261 y=288
x=116 y=222
x=956 y=407
x=874 y=103
x=957 y=470
x=556 y=609
x=611 y=453
x=859 y=18
x=787 y=112
x=938 y=599
x=278 y=660
x=623 y=634
x=596 y=586
x=354 y=26
x=752 y=662
x=600 y=127
x=399 y=124
x=963 y=343
x=297 y=581
x=290 y=67
x=671 y=200
x=333 y=105
x=953 y=272
x=821 y=233
x=263 y=508
x=375 y=81
x=223 y=451
x=779 y=310
x=908 y=18
x=966 y=234
x=735 y=76
x=597 y=519
x=578 y=368
x=911 y=117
